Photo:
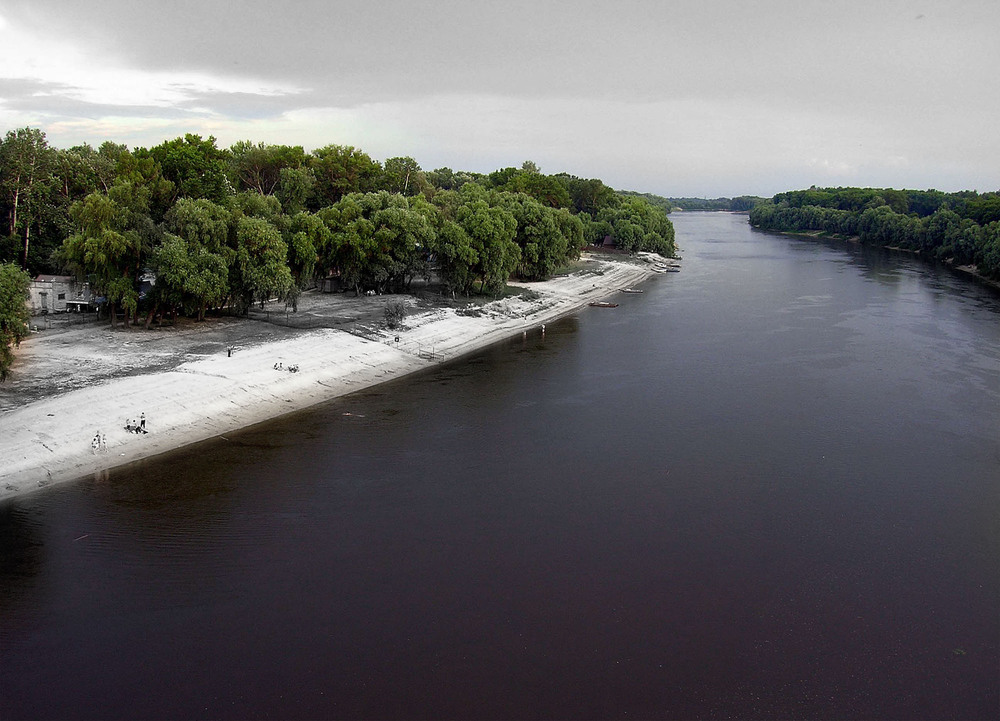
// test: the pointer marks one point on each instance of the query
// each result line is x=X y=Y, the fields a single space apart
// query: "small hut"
x=57 y=294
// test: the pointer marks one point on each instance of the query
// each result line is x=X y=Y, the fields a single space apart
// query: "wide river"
x=767 y=487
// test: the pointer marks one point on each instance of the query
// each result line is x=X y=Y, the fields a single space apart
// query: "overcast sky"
x=702 y=98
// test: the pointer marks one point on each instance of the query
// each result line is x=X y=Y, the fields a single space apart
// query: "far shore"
x=220 y=376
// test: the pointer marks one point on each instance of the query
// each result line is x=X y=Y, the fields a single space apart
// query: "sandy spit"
x=48 y=440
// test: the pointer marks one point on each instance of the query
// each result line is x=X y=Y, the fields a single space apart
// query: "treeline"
x=739 y=204
x=252 y=222
x=957 y=228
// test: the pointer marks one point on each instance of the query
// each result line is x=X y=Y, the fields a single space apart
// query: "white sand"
x=49 y=441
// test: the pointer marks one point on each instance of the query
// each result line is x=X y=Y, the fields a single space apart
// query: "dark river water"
x=768 y=487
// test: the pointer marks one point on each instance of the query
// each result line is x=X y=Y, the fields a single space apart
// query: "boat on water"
x=603 y=304
x=631 y=290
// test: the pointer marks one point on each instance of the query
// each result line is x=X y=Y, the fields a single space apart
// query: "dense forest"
x=962 y=229
x=740 y=204
x=234 y=226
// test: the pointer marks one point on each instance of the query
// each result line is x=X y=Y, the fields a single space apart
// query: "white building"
x=58 y=294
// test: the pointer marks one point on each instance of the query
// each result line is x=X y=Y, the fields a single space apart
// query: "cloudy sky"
x=675 y=97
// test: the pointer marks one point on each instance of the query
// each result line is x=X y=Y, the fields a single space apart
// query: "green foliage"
x=340 y=170
x=295 y=188
x=261 y=269
x=636 y=225
x=108 y=248
x=491 y=232
x=538 y=235
x=377 y=241
x=258 y=167
x=193 y=263
x=26 y=179
x=937 y=225
x=14 y=316
x=456 y=257
x=306 y=234
x=404 y=176
x=258 y=221
x=196 y=167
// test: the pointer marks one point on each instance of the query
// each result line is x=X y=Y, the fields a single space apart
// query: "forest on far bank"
x=234 y=226
x=961 y=229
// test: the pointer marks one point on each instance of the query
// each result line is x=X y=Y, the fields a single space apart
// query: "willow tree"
x=108 y=247
x=261 y=271
x=192 y=264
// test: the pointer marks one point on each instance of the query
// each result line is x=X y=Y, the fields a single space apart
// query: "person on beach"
x=142 y=422
x=95 y=443
x=104 y=443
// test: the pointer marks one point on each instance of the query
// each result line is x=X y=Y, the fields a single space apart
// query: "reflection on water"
x=765 y=488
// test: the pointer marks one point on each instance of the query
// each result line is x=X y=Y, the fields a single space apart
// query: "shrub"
x=395 y=312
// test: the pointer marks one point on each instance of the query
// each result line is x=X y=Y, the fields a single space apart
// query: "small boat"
x=631 y=290
x=603 y=304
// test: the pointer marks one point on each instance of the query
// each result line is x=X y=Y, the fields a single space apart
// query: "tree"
x=295 y=188
x=456 y=258
x=108 y=247
x=340 y=170
x=306 y=234
x=258 y=167
x=404 y=176
x=261 y=269
x=26 y=164
x=377 y=241
x=196 y=167
x=14 y=316
x=192 y=264
x=491 y=232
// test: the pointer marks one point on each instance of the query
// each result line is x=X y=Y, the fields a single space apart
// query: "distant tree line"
x=958 y=228
x=233 y=227
x=739 y=204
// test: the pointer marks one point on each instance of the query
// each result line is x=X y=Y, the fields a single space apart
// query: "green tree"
x=456 y=257
x=295 y=189
x=26 y=177
x=491 y=232
x=377 y=241
x=196 y=167
x=261 y=269
x=340 y=170
x=543 y=246
x=404 y=176
x=14 y=316
x=193 y=263
x=258 y=167
x=306 y=235
x=108 y=247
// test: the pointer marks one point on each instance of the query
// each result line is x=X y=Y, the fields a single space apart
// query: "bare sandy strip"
x=49 y=441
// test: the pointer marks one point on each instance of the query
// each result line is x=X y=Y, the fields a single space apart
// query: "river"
x=767 y=487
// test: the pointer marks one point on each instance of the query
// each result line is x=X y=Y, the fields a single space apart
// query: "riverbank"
x=217 y=377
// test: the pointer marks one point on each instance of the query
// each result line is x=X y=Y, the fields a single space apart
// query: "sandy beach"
x=197 y=381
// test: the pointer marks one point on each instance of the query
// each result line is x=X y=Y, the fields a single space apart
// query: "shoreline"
x=47 y=440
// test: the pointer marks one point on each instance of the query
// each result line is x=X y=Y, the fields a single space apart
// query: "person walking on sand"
x=104 y=443
x=95 y=444
x=142 y=422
